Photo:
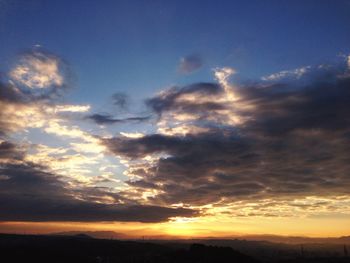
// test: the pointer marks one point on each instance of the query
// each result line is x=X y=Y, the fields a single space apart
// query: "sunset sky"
x=175 y=118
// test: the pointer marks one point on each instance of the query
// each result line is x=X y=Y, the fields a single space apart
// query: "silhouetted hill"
x=82 y=236
x=203 y=253
x=94 y=234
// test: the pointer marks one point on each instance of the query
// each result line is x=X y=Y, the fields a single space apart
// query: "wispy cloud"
x=109 y=119
x=120 y=100
x=295 y=73
x=190 y=63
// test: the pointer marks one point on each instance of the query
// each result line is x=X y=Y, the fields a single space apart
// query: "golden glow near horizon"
x=217 y=225
x=198 y=228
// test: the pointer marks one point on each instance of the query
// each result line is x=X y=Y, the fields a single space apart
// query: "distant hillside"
x=296 y=239
x=269 y=247
x=94 y=234
x=270 y=238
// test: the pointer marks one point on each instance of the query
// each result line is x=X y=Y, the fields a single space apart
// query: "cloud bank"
x=274 y=147
x=226 y=145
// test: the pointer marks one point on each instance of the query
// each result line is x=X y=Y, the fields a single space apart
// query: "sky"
x=175 y=118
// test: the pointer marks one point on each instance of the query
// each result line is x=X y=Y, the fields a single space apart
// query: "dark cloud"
x=279 y=109
x=293 y=143
x=108 y=119
x=169 y=100
x=28 y=193
x=190 y=63
x=10 y=97
x=9 y=150
x=13 y=99
x=120 y=100
x=9 y=93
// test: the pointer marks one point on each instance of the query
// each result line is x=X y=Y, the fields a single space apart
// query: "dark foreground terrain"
x=65 y=249
x=84 y=249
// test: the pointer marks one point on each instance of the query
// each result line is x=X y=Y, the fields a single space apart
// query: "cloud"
x=290 y=143
x=9 y=93
x=295 y=73
x=268 y=148
x=28 y=192
x=132 y=134
x=29 y=96
x=319 y=106
x=190 y=63
x=38 y=70
x=72 y=108
x=197 y=107
x=120 y=100
x=60 y=191
x=23 y=108
x=108 y=119
x=16 y=112
x=9 y=151
x=183 y=98
x=20 y=111
x=307 y=75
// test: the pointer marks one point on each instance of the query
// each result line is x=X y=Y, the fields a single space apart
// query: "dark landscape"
x=85 y=249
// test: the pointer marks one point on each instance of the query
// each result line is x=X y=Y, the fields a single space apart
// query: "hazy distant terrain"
x=298 y=240
x=270 y=238
x=262 y=247
x=94 y=234
x=83 y=247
